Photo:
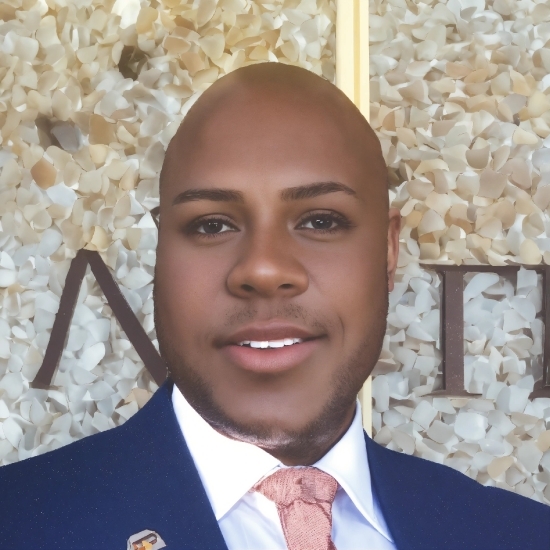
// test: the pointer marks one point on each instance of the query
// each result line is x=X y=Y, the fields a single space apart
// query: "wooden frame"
x=352 y=77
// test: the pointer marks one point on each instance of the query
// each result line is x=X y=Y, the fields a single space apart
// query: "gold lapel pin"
x=145 y=540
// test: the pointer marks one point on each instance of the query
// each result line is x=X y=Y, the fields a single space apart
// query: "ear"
x=155 y=215
x=394 y=228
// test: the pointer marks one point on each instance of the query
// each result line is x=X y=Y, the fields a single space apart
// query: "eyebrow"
x=289 y=194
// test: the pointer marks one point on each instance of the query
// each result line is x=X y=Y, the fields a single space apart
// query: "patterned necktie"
x=304 y=501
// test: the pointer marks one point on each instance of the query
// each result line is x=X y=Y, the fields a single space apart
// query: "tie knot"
x=290 y=484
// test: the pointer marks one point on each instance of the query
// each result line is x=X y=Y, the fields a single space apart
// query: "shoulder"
x=103 y=488
x=72 y=459
x=455 y=506
x=417 y=473
x=103 y=453
x=79 y=464
x=60 y=487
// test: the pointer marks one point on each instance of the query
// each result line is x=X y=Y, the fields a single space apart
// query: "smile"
x=273 y=356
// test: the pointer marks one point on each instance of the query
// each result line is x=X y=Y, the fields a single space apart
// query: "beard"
x=306 y=445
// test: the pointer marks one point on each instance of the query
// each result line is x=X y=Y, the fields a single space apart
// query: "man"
x=277 y=249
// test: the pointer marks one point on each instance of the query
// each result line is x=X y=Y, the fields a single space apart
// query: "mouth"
x=272 y=356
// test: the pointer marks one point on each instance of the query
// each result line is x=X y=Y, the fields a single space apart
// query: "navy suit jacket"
x=97 y=492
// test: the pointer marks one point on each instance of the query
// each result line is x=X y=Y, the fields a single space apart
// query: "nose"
x=268 y=268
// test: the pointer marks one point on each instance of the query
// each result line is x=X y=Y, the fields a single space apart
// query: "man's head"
x=296 y=241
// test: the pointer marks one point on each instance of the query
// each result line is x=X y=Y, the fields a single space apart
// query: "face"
x=276 y=253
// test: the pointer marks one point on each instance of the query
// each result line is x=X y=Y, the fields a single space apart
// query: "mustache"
x=282 y=312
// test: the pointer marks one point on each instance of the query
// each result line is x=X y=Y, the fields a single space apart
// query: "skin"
x=260 y=130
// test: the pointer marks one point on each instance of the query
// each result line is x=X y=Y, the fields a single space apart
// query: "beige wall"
x=459 y=99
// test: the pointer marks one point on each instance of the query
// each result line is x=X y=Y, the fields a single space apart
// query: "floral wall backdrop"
x=459 y=99
x=91 y=93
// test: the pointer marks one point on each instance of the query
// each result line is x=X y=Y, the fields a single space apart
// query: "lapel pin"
x=145 y=540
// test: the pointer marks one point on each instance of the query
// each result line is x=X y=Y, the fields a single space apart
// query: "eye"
x=322 y=222
x=212 y=227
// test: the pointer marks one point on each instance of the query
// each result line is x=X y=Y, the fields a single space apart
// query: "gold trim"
x=352 y=77
x=352 y=51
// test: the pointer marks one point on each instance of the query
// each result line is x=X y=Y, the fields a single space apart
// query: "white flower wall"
x=459 y=99
x=91 y=93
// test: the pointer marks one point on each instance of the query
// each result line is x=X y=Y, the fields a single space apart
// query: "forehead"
x=269 y=136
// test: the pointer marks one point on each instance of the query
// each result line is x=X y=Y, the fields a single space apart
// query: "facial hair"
x=316 y=437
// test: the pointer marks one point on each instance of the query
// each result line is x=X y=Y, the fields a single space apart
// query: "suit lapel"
x=408 y=503
x=185 y=518
x=164 y=481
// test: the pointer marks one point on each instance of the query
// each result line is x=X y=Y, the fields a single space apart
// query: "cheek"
x=186 y=287
x=355 y=279
x=372 y=266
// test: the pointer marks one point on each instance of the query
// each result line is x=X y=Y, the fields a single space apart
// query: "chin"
x=277 y=423
x=270 y=428
x=290 y=442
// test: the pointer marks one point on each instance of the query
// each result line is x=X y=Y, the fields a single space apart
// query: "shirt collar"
x=229 y=468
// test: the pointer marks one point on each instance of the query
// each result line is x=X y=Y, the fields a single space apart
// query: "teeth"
x=271 y=343
x=276 y=343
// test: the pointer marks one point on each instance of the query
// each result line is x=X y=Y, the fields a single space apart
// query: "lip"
x=270 y=360
x=262 y=332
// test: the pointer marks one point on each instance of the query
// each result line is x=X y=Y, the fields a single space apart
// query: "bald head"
x=253 y=94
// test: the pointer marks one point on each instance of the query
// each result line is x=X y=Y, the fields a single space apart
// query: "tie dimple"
x=304 y=499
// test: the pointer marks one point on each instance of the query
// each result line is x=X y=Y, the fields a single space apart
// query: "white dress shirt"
x=248 y=520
